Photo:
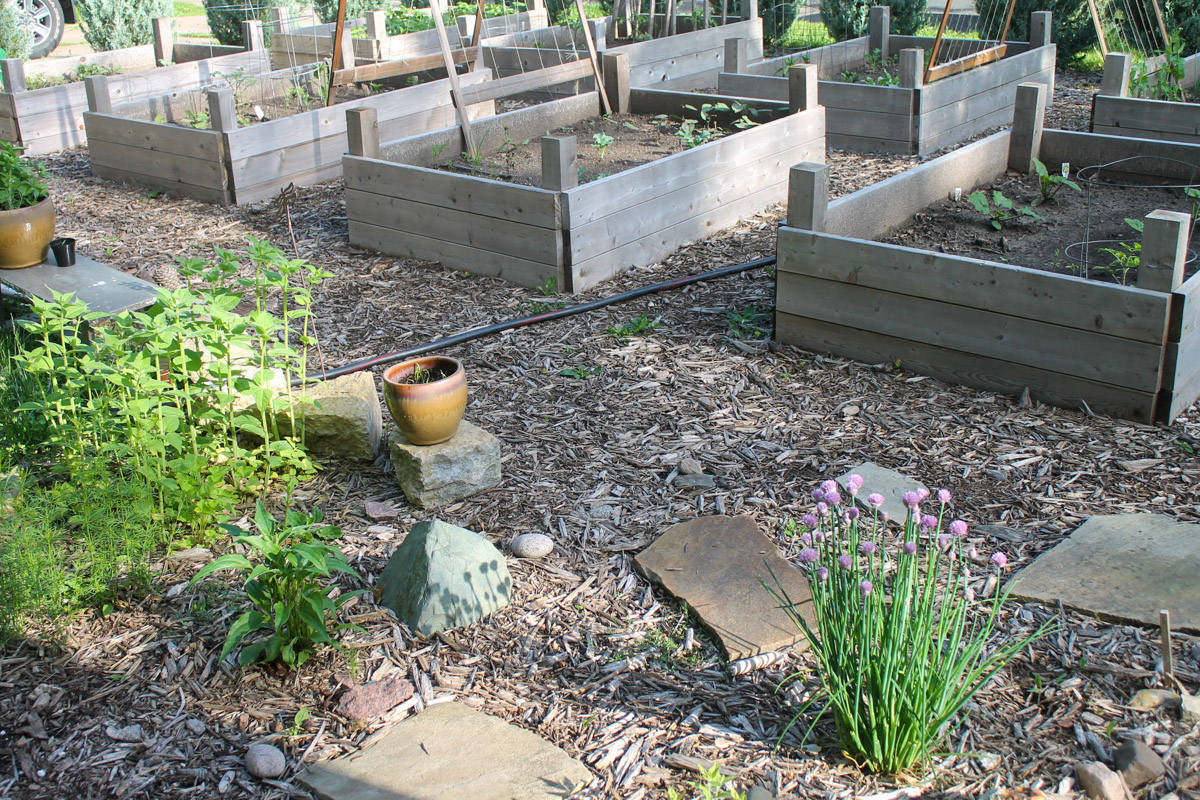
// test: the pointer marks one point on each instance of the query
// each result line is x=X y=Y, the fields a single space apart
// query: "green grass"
x=803 y=34
x=931 y=31
x=183 y=9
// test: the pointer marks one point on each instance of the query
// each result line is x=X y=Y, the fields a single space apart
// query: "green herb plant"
x=901 y=636
x=22 y=182
x=712 y=785
x=751 y=322
x=195 y=119
x=1000 y=209
x=1050 y=184
x=602 y=141
x=289 y=597
x=580 y=373
x=1126 y=258
x=639 y=324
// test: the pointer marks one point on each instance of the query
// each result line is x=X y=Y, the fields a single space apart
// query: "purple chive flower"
x=809 y=521
x=883 y=516
x=852 y=514
x=822 y=574
x=808 y=555
x=819 y=535
x=806 y=538
x=944 y=542
x=943 y=496
x=833 y=498
x=865 y=587
x=823 y=509
x=928 y=522
x=970 y=595
x=910 y=548
x=854 y=483
x=844 y=561
x=966 y=573
x=911 y=500
x=875 y=499
x=829 y=486
x=1000 y=560
x=867 y=548
x=923 y=493
x=958 y=528
x=973 y=554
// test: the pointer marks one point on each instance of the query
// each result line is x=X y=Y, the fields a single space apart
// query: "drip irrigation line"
x=521 y=322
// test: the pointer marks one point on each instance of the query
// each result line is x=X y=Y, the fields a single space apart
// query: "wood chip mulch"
x=135 y=704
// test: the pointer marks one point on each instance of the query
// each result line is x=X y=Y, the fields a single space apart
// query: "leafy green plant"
x=225 y=17
x=602 y=141
x=712 y=785
x=580 y=373
x=1071 y=26
x=549 y=288
x=847 y=19
x=116 y=24
x=195 y=119
x=901 y=639
x=1125 y=259
x=639 y=324
x=691 y=136
x=750 y=322
x=1050 y=184
x=1000 y=209
x=298 y=720
x=289 y=600
x=886 y=79
x=874 y=59
x=22 y=182
x=849 y=76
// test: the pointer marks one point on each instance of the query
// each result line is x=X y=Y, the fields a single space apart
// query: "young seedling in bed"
x=1000 y=209
x=886 y=79
x=602 y=141
x=621 y=334
x=848 y=76
x=196 y=119
x=1050 y=184
x=1127 y=258
x=874 y=59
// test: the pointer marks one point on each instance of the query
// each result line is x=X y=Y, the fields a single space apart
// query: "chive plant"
x=901 y=638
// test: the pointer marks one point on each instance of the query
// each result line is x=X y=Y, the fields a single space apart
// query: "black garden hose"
x=499 y=327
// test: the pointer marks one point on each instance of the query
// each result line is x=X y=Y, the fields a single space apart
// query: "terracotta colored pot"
x=25 y=235
x=426 y=413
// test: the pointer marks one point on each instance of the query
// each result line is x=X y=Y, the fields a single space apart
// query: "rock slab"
x=717 y=565
x=449 y=752
x=373 y=698
x=345 y=420
x=887 y=482
x=1138 y=763
x=443 y=576
x=1099 y=782
x=1122 y=568
x=439 y=474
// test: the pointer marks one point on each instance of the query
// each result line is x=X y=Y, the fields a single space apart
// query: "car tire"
x=45 y=19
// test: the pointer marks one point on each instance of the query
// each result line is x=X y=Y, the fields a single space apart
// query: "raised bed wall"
x=1124 y=351
x=235 y=165
x=583 y=235
x=51 y=119
x=1115 y=113
x=910 y=118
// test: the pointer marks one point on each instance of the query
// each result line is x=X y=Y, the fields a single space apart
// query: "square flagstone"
x=717 y=565
x=449 y=752
x=1122 y=568
x=439 y=474
x=887 y=482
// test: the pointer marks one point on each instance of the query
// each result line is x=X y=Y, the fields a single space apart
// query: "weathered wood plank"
x=1043 y=345
x=206 y=195
x=831 y=94
x=515 y=84
x=154 y=136
x=697 y=41
x=1174 y=159
x=1146 y=119
x=1001 y=117
x=861 y=144
x=510 y=202
x=962 y=63
x=455 y=256
x=199 y=172
x=831 y=58
x=1124 y=312
x=958 y=368
x=1009 y=70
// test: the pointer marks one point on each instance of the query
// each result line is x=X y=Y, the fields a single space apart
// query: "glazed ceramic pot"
x=25 y=235
x=426 y=412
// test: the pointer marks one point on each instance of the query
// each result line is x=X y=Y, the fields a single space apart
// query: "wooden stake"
x=1012 y=5
x=1162 y=25
x=464 y=120
x=591 y=46
x=1095 y=12
x=1164 y=624
x=335 y=60
x=937 y=42
x=477 y=38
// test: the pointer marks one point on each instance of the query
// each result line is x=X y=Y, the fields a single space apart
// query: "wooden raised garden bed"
x=398 y=203
x=911 y=117
x=1127 y=351
x=1115 y=113
x=45 y=120
x=150 y=143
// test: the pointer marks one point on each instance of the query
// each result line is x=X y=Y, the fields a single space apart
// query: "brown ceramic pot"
x=25 y=235
x=426 y=413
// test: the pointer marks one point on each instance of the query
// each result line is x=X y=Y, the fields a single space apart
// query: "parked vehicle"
x=46 y=20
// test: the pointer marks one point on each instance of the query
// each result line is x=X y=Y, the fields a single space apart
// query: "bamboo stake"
x=464 y=121
x=591 y=46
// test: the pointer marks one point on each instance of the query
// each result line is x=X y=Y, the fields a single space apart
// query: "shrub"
x=1070 y=28
x=15 y=40
x=115 y=24
x=901 y=640
x=847 y=19
x=288 y=599
x=225 y=18
x=355 y=9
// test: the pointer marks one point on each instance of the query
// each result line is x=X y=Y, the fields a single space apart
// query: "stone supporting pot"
x=25 y=235
x=426 y=413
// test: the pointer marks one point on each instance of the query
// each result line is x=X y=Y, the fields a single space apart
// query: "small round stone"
x=531 y=545
x=265 y=761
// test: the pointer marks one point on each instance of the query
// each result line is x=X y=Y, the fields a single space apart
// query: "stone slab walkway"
x=1122 y=568
x=449 y=752
x=887 y=482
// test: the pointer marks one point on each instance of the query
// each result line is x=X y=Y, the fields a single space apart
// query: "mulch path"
x=586 y=654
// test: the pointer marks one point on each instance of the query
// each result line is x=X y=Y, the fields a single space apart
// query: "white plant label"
x=1066 y=170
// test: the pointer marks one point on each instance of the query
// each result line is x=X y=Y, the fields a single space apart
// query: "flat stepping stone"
x=717 y=565
x=1122 y=568
x=449 y=752
x=887 y=482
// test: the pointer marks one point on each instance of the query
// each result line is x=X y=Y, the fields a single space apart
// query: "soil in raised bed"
x=1055 y=244
x=637 y=139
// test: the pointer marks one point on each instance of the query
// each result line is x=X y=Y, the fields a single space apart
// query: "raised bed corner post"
x=1029 y=114
x=164 y=46
x=881 y=26
x=559 y=172
x=376 y=25
x=802 y=87
x=1117 y=69
x=735 y=55
x=1164 y=250
x=1040 y=29
x=808 y=196
x=616 y=81
x=12 y=71
x=749 y=9
x=912 y=61
x=222 y=111
x=252 y=34
x=98 y=96
x=362 y=132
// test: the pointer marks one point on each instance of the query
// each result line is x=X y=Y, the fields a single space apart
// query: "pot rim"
x=38 y=204
x=424 y=361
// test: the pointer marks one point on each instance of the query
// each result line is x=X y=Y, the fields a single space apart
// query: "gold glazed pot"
x=25 y=235
x=426 y=413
